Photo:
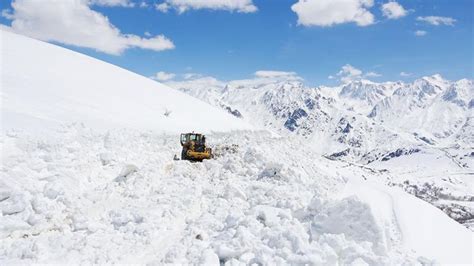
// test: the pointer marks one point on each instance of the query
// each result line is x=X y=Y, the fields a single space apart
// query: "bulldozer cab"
x=187 y=137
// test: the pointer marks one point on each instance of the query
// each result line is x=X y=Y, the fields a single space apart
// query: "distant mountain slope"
x=44 y=85
x=362 y=120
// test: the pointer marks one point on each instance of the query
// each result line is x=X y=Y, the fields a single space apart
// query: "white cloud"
x=163 y=7
x=122 y=3
x=393 y=10
x=372 y=75
x=195 y=80
x=242 y=6
x=7 y=13
x=192 y=75
x=332 y=12
x=72 y=22
x=204 y=82
x=349 y=73
x=405 y=74
x=273 y=74
x=163 y=76
x=420 y=33
x=437 y=21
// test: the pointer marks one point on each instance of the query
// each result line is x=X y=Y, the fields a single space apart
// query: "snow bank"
x=43 y=85
x=419 y=227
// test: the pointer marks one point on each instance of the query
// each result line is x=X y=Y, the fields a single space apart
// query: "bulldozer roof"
x=185 y=137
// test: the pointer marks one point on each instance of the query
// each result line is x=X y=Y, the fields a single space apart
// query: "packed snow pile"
x=44 y=85
x=118 y=197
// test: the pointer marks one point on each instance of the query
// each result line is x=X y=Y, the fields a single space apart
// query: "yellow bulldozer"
x=194 y=147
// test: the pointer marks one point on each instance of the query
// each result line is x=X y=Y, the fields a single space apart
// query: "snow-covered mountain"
x=44 y=85
x=359 y=120
x=87 y=174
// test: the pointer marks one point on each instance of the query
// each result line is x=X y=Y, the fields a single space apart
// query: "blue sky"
x=232 y=43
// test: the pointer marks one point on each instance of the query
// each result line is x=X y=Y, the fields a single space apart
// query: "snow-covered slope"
x=43 y=85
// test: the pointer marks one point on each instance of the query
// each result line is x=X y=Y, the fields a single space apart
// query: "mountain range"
x=361 y=121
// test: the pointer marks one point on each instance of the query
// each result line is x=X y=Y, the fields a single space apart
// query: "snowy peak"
x=460 y=93
x=410 y=98
x=424 y=87
x=265 y=83
x=366 y=91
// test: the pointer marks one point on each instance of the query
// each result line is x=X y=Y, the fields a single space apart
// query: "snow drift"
x=44 y=85
x=420 y=227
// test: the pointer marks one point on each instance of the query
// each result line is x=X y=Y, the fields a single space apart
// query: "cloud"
x=7 y=13
x=201 y=82
x=196 y=81
x=437 y=21
x=163 y=76
x=163 y=7
x=122 y=3
x=372 y=75
x=192 y=75
x=405 y=74
x=349 y=73
x=72 y=22
x=393 y=10
x=273 y=74
x=420 y=33
x=331 y=12
x=242 y=6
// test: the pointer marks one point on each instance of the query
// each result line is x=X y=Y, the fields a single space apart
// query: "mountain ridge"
x=358 y=116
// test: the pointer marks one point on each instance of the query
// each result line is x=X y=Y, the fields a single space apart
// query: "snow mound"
x=427 y=231
x=44 y=85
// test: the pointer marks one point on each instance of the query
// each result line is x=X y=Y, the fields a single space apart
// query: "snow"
x=45 y=85
x=70 y=207
x=87 y=177
x=431 y=234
